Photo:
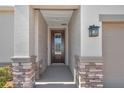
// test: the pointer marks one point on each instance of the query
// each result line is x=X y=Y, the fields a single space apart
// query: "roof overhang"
x=44 y=7
x=6 y=8
x=56 y=7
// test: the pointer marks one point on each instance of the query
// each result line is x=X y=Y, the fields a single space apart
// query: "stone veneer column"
x=89 y=72
x=24 y=72
x=37 y=71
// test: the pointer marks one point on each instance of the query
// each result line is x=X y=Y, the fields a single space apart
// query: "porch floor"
x=56 y=76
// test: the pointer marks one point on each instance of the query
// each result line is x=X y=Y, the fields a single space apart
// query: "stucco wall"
x=31 y=32
x=6 y=36
x=74 y=38
x=93 y=46
x=41 y=39
x=23 y=31
x=89 y=16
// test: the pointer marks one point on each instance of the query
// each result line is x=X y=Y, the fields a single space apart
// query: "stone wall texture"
x=89 y=72
x=37 y=75
x=39 y=69
x=23 y=72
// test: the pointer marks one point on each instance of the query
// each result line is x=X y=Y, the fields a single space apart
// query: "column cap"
x=23 y=58
x=89 y=58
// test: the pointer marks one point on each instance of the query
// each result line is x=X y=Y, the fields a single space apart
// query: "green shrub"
x=2 y=81
x=5 y=75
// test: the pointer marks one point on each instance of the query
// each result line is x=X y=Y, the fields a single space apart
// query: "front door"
x=57 y=46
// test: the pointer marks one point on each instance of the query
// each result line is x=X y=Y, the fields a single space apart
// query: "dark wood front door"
x=57 y=46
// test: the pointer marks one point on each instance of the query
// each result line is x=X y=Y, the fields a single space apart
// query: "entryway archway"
x=57 y=64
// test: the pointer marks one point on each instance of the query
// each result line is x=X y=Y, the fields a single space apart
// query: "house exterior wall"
x=41 y=39
x=31 y=31
x=24 y=31
x=92 y=46
x=74 y=38
x=6 y=36
x=79 y=41
x=21 y=30
x=89 y=16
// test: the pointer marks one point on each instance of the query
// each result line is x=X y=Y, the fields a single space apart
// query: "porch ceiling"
x=57 y=17
x=54 y=7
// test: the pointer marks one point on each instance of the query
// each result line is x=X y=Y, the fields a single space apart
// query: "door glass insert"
x=58 y=43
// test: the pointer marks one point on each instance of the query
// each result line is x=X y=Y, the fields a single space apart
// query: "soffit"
x=57 y=17
x=52 y=7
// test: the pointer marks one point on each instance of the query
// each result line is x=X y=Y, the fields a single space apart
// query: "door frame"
x=49 y=43
x=52 y=32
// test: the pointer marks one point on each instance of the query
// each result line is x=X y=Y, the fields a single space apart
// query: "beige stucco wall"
x=74 y=38
x=6 y=36
x=93 y=46
x=41 y=39
x=23 y=31
x=89 y=16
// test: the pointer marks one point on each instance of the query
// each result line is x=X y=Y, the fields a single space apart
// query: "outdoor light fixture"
x=93 y=31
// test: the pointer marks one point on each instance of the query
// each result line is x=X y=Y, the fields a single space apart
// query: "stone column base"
x=89 y=72
x=37 y=71
x=23 y=71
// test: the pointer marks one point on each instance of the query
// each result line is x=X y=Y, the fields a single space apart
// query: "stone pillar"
x=23 y=59
x=23 y=72
x=89 y=72
x=37 y=71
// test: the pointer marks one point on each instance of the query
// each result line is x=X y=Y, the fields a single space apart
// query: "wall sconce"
x=93 y=31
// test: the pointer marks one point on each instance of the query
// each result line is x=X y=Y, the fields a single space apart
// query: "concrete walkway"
x=56 y=76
